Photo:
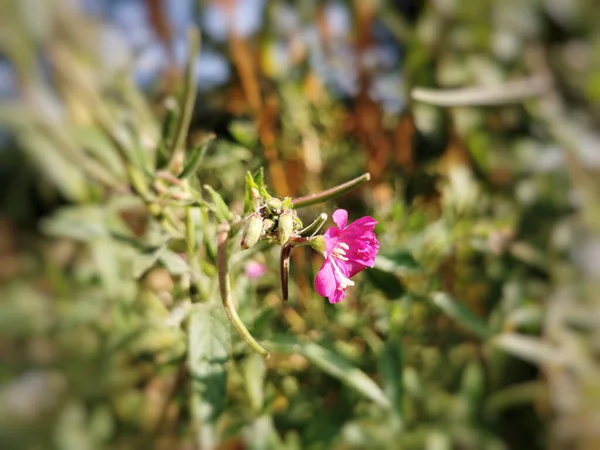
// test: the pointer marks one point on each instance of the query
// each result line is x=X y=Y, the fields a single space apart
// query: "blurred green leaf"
x=399 y=260
x=209 y=347
x=387 y=282
x=221 y=210
x=391 y=368
x=144 y=261
x=332 y=364
x=174 y=263
x=195 y=159
x=83 y=223
x=461 y=314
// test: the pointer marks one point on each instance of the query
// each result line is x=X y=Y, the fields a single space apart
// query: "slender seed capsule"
x=286 y=226
x=253 y=231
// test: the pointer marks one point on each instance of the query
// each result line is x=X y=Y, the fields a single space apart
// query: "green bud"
x=253 y=230
x=318 y=244
x=286 y=226
x=255 y=197
x=274 y=205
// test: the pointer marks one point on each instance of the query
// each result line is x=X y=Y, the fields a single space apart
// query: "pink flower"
x=254 y=270
x=348 y=250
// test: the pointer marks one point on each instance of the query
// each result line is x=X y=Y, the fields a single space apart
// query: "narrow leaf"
x=461 y=314
x=195 y=159
x=334 y=365
x=221 y=209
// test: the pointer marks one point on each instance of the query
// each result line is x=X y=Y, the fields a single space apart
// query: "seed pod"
x=286 y=226
x=253 y=230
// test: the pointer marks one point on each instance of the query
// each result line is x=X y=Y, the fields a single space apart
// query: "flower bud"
x=318 y=244
x=253 y=230
x=255 y=197
x=274 y=205
x=286 y=226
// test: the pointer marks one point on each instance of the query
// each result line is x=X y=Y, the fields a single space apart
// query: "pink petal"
x=337 y=296
x=325 y=282
x=362 y=226
x=331 y=239
x=340 y=217
x=254 y=269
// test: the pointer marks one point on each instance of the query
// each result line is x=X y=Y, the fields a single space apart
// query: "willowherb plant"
x=347 y=249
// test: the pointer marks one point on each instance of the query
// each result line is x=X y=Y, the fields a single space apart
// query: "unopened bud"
x=286 y=226
x=253 y=230
x=274 y=205
x=318 y=244
x=255 y=196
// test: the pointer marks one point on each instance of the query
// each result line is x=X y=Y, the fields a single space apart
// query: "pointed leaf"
x=209 y=347
x=461 y=314
x=334 y=365
x=221 y=210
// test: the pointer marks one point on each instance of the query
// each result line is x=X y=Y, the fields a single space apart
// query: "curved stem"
x=225 y=288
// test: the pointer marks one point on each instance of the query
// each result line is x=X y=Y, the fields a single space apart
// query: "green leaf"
x=387 y=282
x=461 y=314
x=254 y=370
x=248 y=202
x=400 y=260
x=67 y=177
x=390 y=368
x=221 y=210
x=259 y=178
x=174 y=263
x=144 y=262
x=334 y=365
x=83 y=223
x=209 y=347
x=197 y=154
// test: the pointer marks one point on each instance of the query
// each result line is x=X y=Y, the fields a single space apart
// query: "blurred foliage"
x=478 y=328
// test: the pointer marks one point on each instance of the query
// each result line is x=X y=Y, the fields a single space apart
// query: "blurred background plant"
x=479 y=327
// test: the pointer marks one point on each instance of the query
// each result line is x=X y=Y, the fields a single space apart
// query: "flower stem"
x=225 y=288
x=336 y=191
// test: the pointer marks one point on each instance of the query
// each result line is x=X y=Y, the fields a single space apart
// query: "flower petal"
x=331 y=237
x=360 y=227
x=337 y=296
x=325 y=281
x=340 y=217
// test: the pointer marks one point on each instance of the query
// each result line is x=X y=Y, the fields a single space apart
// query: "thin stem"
x=510 y=92
x=225 y=288
x=335 y=191
x=187 y=104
